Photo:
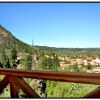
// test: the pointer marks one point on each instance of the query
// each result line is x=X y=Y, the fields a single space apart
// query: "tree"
x=28 y=62
x=42 y=88
x=44 y=63
x=13 y=57
x=3 y=57
x=55 y=62
x=49 y=64
x=7 y=63
x=14 y=54
x=1 y=66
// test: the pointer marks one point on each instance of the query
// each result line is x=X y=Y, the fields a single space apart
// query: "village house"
x=63 y=64
x=61 y=58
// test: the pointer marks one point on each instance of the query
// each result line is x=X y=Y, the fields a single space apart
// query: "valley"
x=16 y=54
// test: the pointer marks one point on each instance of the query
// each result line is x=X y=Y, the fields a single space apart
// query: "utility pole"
x=34 y=62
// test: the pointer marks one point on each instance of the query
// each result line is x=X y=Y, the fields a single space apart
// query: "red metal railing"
x=14 y=77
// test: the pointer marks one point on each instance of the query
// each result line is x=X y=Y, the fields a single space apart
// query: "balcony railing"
x=14 y=77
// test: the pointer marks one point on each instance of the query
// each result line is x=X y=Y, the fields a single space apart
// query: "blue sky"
x=53 y=24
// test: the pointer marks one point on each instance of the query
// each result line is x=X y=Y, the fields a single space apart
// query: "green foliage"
x=55 y=62
x=44 y=63
x=1 y=65
x=6 y=92
x=28 y=61
x=13 y=53
x=13 y=57
x=8 y=63
x=67 y=90
x=50 y=63
x=3 y=58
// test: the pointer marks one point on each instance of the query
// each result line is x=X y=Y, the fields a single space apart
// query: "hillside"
x=66 y=51
x=8 y=41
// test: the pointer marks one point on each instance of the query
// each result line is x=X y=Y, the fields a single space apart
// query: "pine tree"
x=49 y=64
x=13 y=57
x=44 y=63
x=1 y=66
x=3 y=57
x=29 y=62
x=7 y=63
x=55 y=62
x=14 y=54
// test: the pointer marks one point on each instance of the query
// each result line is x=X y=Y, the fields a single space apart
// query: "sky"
x=75 y=25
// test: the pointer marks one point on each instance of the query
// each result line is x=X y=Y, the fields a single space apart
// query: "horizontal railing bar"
x=78 y=77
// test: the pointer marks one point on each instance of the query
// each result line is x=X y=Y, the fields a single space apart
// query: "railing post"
x=13 y=88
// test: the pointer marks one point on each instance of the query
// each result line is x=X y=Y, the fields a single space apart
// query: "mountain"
x=8 y=41
x=68 y=51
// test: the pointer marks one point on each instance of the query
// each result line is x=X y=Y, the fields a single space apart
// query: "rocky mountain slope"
x=8 y=41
